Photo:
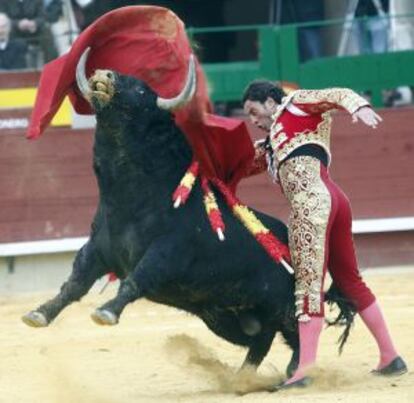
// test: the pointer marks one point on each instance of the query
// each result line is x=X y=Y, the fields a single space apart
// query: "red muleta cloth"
x=149 y=43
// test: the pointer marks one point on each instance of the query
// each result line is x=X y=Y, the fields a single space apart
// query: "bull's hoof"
x=104 y=317
x=35 y=319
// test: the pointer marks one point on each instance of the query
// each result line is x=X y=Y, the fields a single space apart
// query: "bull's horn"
x=81 y=79
x=187 y=92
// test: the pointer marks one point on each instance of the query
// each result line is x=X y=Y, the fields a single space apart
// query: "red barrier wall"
x=48 y=189
x=47 y=185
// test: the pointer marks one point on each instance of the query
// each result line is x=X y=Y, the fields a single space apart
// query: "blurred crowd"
x=33 y=32
x=25 y=32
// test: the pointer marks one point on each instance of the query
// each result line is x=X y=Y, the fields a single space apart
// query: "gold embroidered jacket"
x=304 y=117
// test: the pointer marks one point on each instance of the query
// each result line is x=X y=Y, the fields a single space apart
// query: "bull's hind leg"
x=292 y=339
x=162 y=263
x=87 y=268
x=242 y=328
x=259 y=347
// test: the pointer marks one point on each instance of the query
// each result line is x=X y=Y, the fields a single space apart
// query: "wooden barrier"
x=48 y=190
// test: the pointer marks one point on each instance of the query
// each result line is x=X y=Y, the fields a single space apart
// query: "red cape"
x=151 y=44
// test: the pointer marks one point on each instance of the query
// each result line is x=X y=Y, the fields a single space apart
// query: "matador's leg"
x=309 y=225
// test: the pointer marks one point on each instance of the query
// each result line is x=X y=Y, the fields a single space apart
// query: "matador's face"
x=260 y=113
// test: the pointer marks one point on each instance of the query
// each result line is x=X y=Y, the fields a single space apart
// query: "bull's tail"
x=347 y=311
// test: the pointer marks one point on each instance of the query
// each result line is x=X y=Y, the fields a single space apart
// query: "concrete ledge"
x=44 y=265
x=383 y=225
x=42 y=247
x=74 y=244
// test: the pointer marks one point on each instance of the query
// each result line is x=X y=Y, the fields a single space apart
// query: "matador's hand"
x=368 y=116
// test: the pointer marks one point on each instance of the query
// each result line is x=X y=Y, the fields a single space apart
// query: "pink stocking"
x=374 y=320
x=308 y=338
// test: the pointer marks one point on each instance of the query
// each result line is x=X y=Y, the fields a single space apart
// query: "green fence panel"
x=227 y=81
x=278 y=59
x=289 y=54
x=372 y=73
x=269 y=59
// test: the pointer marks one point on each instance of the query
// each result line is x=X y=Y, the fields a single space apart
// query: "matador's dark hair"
x=260 y=90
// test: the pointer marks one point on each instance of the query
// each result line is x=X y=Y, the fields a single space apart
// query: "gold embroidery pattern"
x=277 y=139
x=344 y=97
x=277 y=128
x=310 y=203
x=321 y=137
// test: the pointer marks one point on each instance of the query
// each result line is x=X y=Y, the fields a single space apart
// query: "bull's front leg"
x=109 y=313
x=163 y=261
x=87 y=268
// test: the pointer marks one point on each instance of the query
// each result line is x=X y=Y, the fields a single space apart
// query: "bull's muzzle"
x=100 y=88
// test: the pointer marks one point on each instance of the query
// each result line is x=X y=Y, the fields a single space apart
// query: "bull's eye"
x=110 y=75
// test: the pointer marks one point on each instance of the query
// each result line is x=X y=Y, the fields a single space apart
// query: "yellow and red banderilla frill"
x=278 y=251
x=183 y=190
x=212 y=209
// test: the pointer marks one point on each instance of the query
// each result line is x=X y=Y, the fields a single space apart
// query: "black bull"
x=170 y=256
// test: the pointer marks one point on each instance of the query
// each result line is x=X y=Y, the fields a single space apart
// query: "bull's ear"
x=187 y=92
x=81 y=79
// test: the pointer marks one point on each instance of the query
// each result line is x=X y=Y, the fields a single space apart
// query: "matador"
x=297 y=154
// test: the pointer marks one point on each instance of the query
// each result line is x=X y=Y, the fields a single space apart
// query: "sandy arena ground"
x=158 y=354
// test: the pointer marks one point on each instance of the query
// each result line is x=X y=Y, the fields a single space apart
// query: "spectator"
x=53 y=10
x=26 y=15
x=302 y=11
x=372 y=33
x=60 y=15
x=87 y=11
x=402 y=38
x=29 y=23
x=12 y=51
x=402 y=27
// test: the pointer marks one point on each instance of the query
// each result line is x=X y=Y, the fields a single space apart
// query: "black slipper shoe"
x=396 y=367
x=299 y=384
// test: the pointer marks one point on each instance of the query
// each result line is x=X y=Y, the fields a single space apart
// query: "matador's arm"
x=319 y=101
